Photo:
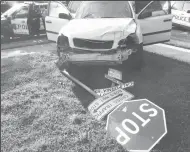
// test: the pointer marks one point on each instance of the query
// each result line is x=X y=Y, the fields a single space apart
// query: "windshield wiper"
x=88 y=15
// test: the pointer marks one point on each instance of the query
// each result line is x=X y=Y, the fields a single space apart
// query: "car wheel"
x=135 y=60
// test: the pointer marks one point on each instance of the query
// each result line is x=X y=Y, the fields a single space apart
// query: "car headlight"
x=63 y=42
x=128 y=41
x=129 y=35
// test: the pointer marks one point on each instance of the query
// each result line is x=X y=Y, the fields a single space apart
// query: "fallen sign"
x=100 y=107
x=115 y=74
x=105 y=91
x=138 y=125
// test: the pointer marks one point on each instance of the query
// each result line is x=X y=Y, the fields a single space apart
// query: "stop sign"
x=138 y=125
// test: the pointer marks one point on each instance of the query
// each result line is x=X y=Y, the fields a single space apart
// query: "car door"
x=155 y=20
x=53 y=22
x=43 y=10
x=19 y=21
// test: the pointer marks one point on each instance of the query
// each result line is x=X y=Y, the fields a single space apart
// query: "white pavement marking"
x=174 y=47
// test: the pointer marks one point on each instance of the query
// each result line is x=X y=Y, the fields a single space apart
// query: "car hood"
x=98 y=29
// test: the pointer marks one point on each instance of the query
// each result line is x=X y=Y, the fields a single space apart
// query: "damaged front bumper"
x=95 y=58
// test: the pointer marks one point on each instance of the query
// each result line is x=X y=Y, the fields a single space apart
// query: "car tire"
x=135 y=60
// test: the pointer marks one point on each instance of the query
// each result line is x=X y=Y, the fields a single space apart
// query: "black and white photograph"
x=95 y=76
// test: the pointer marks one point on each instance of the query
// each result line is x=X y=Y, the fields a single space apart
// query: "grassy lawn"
x=43 y=111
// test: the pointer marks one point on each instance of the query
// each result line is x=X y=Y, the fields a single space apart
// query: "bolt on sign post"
x=138 y=125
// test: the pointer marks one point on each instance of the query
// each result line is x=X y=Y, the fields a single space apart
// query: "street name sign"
x=100 y=107
x=138 y=125
x=105 y=91
x=115 y=74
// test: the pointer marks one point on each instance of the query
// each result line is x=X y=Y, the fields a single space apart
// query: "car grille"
x=81 y=51
x=92 y=44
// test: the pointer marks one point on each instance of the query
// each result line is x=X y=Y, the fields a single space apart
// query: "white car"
x=107 y=32
x=181 y=14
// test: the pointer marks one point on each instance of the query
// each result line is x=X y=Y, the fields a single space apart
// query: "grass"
x=43 y=111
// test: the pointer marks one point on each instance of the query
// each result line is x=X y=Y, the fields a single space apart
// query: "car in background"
x=14 y=20
x=181 y=14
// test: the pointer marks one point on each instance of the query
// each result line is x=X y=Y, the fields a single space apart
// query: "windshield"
x=186 y=6
x=74 y=5
x=104 y=9
x=10 y=11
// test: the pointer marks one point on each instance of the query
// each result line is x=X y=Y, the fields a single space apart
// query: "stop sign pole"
x=138 y=125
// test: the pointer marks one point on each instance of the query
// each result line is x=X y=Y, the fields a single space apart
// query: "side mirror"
x=144 y=15
x=65 y=16
x=188 y=11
